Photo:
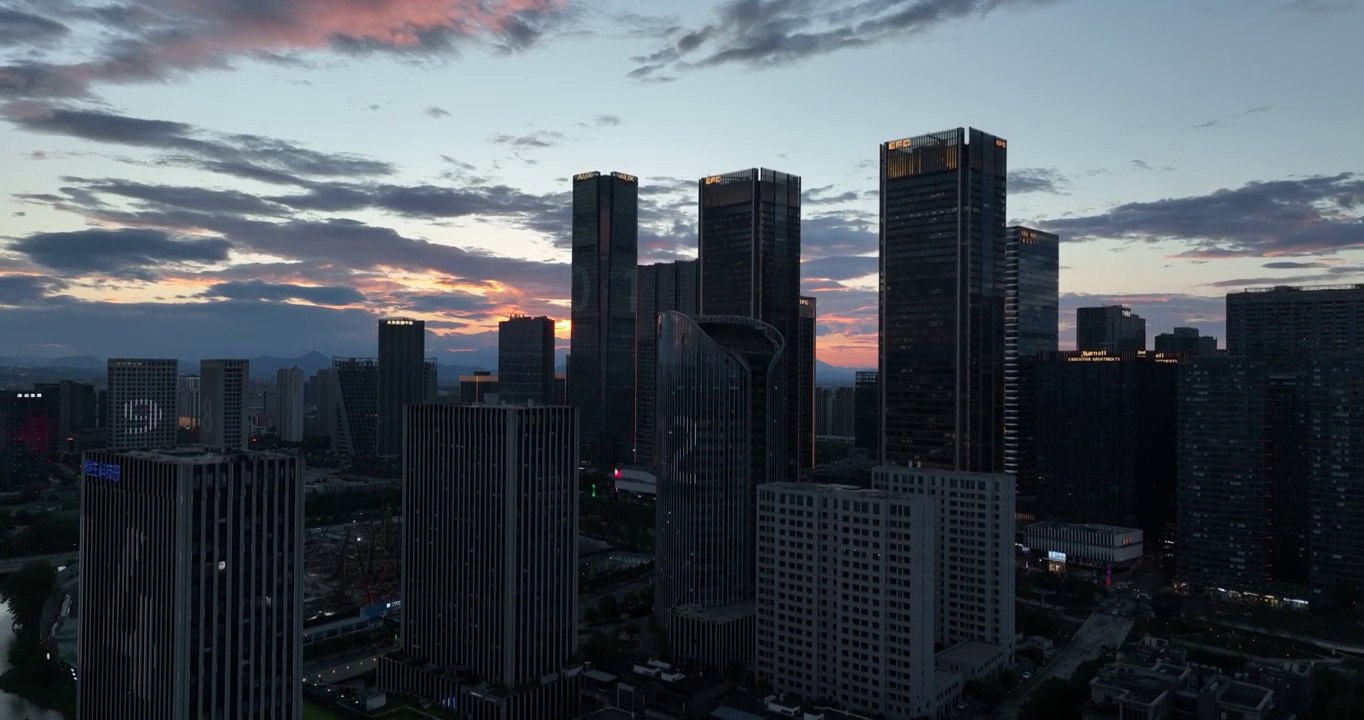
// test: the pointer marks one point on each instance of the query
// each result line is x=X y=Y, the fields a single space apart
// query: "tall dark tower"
x=601 y=382
x=943 y=286
x=803 y=440
x=402 y=377
x=1030 y=321
x=750 y=267
x=525 y=360
x=662 y=287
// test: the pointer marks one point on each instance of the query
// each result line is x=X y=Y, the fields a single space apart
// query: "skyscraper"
x=223 y=421
x=1111 y=328
x=973 y=542
x=326 y=403
x=23 y=439
x=289 y=385
x=814 y=606
x=661 y=287
x=402 y=377
x=191 y=587
x=355 y=406
x=141 y=403
x=1283 y=325
x=749 y=242
x=718 y=439
x=803 y=434
x=601 y=380
x=1030 y=322
x=490 y=518
x=943 y=265
x=1106 y=439
x=525 y=360
x=1186 y=341
x=867 y=411
x=1335 y=455
x=187 y=400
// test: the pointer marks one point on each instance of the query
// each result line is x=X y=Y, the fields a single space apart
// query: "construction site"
x=352 y=566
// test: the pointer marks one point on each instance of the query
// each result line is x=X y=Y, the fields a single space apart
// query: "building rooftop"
x=1086 y=526
x=192 y=454
x=971 y=652
x=1245 y=695
x=607 y=714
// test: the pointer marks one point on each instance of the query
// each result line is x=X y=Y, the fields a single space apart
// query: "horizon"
x=271 y=181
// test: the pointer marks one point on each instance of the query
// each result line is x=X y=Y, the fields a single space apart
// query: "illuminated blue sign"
x=107 y=471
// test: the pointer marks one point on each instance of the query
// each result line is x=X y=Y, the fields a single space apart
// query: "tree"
x=26 y=590
x=590 y=615
x=629 y=600
x=1167 y=605
x=609 y=608
x=735 y=672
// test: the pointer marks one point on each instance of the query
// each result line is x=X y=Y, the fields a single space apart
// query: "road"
x=1098 y=630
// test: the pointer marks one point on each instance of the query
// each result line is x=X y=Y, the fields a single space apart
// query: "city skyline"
x=275 y=193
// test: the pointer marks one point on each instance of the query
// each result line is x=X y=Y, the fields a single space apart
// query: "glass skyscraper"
x=661 y=287
x=601 y=378
x=525 y=360
x=943 y=265
x=1030 y=321
x=750 y=267
x=402 y=377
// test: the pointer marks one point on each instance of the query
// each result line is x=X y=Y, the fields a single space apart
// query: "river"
x=13 y=707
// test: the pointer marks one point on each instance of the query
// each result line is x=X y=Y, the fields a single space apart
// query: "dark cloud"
x=428 y=201
x=258 y=290
x=445 y=302
x=763 y=33
x=1216 y=123
x=1037 y=180
x=606 y=120
x=827 y=196
x=187 y=198
x=20 y=290
x=546 y=139
x=1336 y=274
x=157 y=41
x=125 y=253
x=254 y=156
x=437 y=112
x=846 y=267
x=838 y=233
x=1297 y=216
x=1290 y=265
x=18 y=27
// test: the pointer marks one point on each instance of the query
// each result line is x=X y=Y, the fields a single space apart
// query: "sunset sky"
x=200 y=178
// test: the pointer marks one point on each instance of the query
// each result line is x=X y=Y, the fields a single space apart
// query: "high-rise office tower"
x=1335 y=455
x=1186 y=341
x=355 y=423
x=141 y=403
x=661 y=287
x=525 y=360
x=803 y=433
x=749 y=241
x=187 y=400
x=289 y=423
x=23 y=439
x=1106 y=439
x=430 y=380
x=973 y=542
x=717 y=440
x=943 y=264
x=481 y=387
x=402 y=377
x=223 y=416
x=601 y=380
x=1111 y=328
x=490 y=519
x=1225 y=507
x=1030 y=322
x=829 y=558
x=835 y=413
x=1292 y=330
x=191 y=589
x=867 y=408
x=326 y=403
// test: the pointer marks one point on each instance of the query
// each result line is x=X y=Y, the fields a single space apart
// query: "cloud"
x=1335 y=274
x=827 y=196
x=123 y=253
x=1161 y=312
x=606 y=120
x=1295 y=216
x=259 y=290
x=158 y=40
x=437 y=112
x=766 y=33
x=17 y=27
x=546 y=139
x=1037 y=180
x=187 y=198
x=1290 y=265
x=20 y=290
x=1237 y=116
x=846 y=267
x=1321 y=7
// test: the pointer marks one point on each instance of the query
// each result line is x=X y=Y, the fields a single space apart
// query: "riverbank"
x=31 y=674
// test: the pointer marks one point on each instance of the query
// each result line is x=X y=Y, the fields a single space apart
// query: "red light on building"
x=617 y=473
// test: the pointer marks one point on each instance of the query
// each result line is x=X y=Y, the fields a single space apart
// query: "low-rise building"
x=1168 y=690
x=973 y=660
x=1058 y=546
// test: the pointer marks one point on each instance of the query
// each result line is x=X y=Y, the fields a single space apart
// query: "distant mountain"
x=266 y=367
x=826 y=374
x=84 y=362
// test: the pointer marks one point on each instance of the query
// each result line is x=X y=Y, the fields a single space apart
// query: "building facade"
x=1335 y=455
x=867 y=408
x=289 y=422
x=1031 y=318
x=224 y=420
x=661 y=287
x=1186 y=341
x=325 y=383
x=1112 y=328
x=1282 y=325
x=141 y=403
x=191 y=585
x=601 y=378
x=749 y=255
x=24 y=443
x=355 y=406
x=973 y=544
x=720 y=441
x=187 y=405
x=508 y=640
x=1106 y=439
x=943 y=286
x=829 y=558
x=804 y=434
x=402 y=377
x=481 y=387
x=525 y=360
x=836 y=411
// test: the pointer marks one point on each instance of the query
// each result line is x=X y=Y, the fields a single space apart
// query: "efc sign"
x=106 y=471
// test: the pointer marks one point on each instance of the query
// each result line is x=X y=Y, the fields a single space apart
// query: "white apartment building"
x=845 y=597
x=974 y=547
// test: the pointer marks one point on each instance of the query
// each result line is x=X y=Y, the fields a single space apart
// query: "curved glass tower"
x=717 y=439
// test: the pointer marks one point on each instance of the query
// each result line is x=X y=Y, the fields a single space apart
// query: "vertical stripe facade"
x=191 y=596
